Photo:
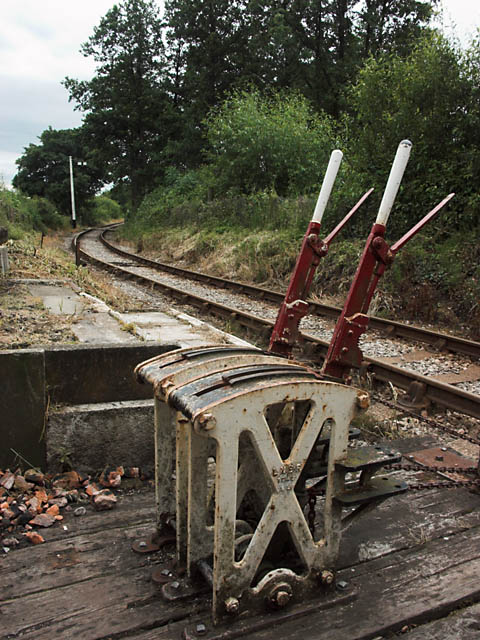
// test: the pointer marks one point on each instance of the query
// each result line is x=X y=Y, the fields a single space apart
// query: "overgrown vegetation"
x=215 y=121
x=21 y=214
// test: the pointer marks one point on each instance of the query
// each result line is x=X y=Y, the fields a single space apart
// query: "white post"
x=72 y=194
x=394 y=179
x=328 y=180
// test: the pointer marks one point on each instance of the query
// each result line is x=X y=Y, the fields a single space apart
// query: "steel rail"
x=391 y=328
x=442 y=394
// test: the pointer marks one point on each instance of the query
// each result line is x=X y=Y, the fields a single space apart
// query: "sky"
x=39 y=46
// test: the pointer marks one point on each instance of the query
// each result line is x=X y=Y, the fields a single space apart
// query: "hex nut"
x=201 y=629
x=282 y=598
x=363 y=400
x=232 y=605
x=206 y=422
x=327 y=577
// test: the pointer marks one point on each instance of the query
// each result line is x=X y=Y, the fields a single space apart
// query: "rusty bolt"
x=327 y=577
x=363 y=400
x=206 y=422
x=232 y=605
x=282 y=598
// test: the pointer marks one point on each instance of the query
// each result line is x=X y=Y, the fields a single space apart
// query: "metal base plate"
x=243 y=628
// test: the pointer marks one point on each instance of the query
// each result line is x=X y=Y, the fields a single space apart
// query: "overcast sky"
x=39 y=46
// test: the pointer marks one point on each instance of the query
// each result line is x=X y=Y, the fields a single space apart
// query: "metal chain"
x=312 y=501
x=444 y=484
x=418 y=467
x=419 y=486
x=430 y=421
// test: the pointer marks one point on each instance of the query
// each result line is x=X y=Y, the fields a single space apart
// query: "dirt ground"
x=24 y=322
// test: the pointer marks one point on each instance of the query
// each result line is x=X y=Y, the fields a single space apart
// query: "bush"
x=268 y=143
x=429 y=98
x=21 y=214
x=104 y=210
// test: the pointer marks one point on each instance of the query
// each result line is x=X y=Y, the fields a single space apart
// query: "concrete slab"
x=22 y=389
x=58 y=299
x=95 y=322
x=177 y=328
x=96 y=328
x=103 y=434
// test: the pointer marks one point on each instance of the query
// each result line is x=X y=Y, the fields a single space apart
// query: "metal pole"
x=72 y=194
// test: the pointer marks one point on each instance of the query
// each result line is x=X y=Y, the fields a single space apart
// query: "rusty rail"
x=442 y=394
x=391 y=328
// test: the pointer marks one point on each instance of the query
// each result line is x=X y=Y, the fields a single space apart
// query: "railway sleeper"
x=252 y=435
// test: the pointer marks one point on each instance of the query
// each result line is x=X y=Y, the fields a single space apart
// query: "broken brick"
x=132 y=472
x=35 y=476
x=60 y=502
x=7 y=480
x=92 y=489
x=43 y=520
x=68 y=480
x=21 y=484
x=104 y=500
x=34 y=537
x=112 y=479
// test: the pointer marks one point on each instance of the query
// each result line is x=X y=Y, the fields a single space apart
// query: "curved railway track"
x=143 y=271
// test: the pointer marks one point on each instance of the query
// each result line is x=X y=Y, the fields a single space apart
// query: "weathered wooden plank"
x=97 y=608
x=404 y=588
x=72 y=561
x=459 y=625
x=131 y=509
x=410 y=519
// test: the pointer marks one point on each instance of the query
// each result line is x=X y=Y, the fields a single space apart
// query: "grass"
x=440 y=286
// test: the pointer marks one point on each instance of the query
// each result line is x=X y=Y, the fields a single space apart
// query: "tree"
x=210 y=51
x=334 y=37
x=43 y=170
x=274 y=142
x=430 y=98
x=125 y=103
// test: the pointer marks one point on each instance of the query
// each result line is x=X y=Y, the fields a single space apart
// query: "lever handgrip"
x=328 y=180
x=394 y=180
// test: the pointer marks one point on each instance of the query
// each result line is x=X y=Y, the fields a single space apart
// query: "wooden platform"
x=414 y=562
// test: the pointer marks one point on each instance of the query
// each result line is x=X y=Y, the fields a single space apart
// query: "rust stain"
x=63 y=559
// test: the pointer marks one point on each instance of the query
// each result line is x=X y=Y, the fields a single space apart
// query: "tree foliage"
x=124 y=103
x=275 y=142
x=43 y=170
x=429 y=98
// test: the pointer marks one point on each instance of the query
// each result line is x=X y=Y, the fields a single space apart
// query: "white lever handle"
x=394 y=180
x=328 y=180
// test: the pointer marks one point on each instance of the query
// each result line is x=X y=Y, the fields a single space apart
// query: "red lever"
x=344 y=352
x=295 y=306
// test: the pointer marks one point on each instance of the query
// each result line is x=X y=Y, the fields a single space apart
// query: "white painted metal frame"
x=246 y=412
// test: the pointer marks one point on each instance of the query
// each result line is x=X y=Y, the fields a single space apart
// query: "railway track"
x=147 y=272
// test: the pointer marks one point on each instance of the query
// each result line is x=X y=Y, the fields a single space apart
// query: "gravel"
x=372 y=345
